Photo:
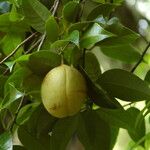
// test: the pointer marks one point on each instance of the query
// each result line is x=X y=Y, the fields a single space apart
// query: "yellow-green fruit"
x=63 y=91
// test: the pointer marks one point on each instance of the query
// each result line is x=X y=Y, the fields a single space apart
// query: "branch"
x=54 y=7
x=16 y=49
x=141 y=58
x=33 y=46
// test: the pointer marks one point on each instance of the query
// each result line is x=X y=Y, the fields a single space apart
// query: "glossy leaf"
x=124 y=85
x=125 y=53
x=6 y=141
x=93 y=132
x=70 y=11
x=74 y=37
x=60 y=45
x=16 y=79
x=36 y=14
x=25 y=113
x=59 y=132
x=125 y=35
x=13 y=95
x=93 y=35
x=43 y=61
x=52 y=29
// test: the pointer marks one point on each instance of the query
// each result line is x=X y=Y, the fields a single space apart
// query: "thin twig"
x=42 y=40
x=144 y=38
x=54 y=7
x=16 y=49
x=33 y=46
x=56 y=3
x=141 y=58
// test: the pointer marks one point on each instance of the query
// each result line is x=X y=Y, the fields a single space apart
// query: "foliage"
x=35 y=37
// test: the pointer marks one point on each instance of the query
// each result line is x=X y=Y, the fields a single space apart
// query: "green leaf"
x=59 y=45
x=93 y=132
x=120 y=40
x=72 y=55
x=147 y=142
x=13 y=95
x=59 y=132
x=6 y=141
x=104 y=1
x=100 y=1
x=32 y=86
x=118 y=1
x=92 y=66
x=123 y=119
x=74 y=37
x=147 y=77
x=124 y=85
x=23 y=59
x=36 y=14
x=70 y=11
x=17 y=79
x=34 y=133
x=98 y=95
x=25 y=113
x=52 y=29
x=102 y=9
x=10 y=41
x=139 y=124
x=17 y=147
x=6 y=118
x=125 y=53
x=2 y=82
x=93 y=35
x=6 y=25
x=114 y=135
x=28 y=140
x=124 y=34
x=43 y=61
x=79 y=26
x=10 y=65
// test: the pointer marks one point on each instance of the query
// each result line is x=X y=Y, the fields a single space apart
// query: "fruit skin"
x=63 y=91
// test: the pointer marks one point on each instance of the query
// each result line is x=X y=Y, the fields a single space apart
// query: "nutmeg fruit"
x=63 y=91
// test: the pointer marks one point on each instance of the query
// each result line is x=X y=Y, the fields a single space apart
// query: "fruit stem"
x=62 y=59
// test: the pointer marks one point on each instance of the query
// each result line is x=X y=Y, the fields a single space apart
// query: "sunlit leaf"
x=93 y=35
x=6 y=141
